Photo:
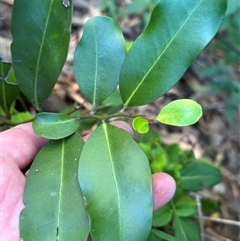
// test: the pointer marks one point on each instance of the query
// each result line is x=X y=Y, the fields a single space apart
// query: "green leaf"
x=159 y=162
x=116 y=182
x=128 y=45
x=173 y=151
x=182 y=112
x=4 y=69
x=185 y=207
x=146 y=149
x=112 y=104
x=54 y=125
x=163 y=216
x=191 y=229
x=156 y=234
x=21 y=117
x=179 y=232
x=199 y=174
x=140 y=125
x=98 y=59
x=41 y=34
x=176 y=34
x=54 y=202
x=8 y=92
x=209 y=205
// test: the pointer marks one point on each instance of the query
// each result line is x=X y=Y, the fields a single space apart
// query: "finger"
x=20 y=144
x=123 y=125
x=164 y=187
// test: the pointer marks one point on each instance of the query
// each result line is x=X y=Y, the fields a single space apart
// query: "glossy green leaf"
x=198 y=174
x=191 y=229
x=9 y=91
x=54 y=125
x=54 y=202
x=162 y=217
x=41 y=34
x=140 y=125
x=98 y=59
x=186 y=207
x=116 y=182
x=176 y=34
x=182 y=112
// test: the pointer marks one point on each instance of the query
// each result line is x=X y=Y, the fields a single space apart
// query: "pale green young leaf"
x=182 y=112
x=21 y=117
x=140 y=125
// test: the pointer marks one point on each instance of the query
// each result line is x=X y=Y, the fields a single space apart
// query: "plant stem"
x=73 y=110
x=10 y=123
x=117 y=114
x=88 y=115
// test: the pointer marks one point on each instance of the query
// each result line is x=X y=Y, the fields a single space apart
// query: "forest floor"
x=215 y=137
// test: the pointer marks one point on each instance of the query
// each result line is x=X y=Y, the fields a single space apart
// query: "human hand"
x=18 y=147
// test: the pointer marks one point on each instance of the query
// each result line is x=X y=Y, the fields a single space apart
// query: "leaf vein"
x=60 y=185
x=39 y=55
x=114 y=175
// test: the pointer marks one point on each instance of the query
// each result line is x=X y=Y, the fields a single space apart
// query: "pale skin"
x=18 y=147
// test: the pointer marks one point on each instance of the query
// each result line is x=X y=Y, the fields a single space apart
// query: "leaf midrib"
x=96 y=68
x=114 y=175
x=40 y=54
x=60 y=122
x=60 y=186
x=164 y=50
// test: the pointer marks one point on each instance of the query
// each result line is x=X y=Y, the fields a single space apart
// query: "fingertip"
x=164 y=188
x=123 y=125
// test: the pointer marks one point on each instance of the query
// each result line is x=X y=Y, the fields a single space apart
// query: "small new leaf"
x=182 y=112
x=140 y=125
x=54 y=126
